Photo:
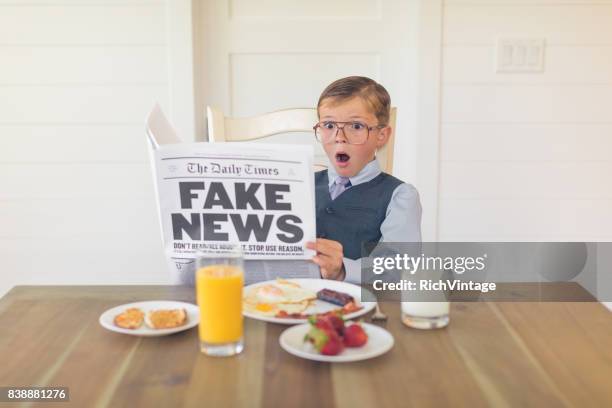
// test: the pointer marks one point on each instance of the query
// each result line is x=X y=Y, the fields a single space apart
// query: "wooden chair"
x=300 y=120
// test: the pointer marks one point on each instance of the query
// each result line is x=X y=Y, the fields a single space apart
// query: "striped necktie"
x=341 y=184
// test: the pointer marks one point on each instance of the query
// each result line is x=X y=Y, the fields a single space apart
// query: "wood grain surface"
x=492 y=354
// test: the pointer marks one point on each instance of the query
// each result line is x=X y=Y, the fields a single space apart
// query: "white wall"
x=76 y=198
x=526 y=156
x=523 y=156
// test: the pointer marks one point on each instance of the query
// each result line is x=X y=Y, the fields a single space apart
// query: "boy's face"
x=349 y=159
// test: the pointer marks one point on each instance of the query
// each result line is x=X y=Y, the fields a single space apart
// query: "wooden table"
x=492 y=354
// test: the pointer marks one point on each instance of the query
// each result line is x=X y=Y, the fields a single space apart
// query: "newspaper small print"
x=215 y=194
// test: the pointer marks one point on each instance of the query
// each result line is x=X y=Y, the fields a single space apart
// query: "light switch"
x=519 y=61
x=520 y=55
x=534 y=55
x=507 y=55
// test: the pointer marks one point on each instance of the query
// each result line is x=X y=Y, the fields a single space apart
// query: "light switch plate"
x=520 y=55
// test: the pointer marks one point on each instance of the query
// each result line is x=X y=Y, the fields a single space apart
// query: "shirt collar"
x=369 y=171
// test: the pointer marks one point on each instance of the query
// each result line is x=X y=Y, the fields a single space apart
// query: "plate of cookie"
x=151 y=318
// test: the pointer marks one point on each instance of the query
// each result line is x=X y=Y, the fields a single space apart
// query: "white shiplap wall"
x=77 y=79
x=526 y=156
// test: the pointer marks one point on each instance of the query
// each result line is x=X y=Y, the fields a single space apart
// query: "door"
x=256 y=57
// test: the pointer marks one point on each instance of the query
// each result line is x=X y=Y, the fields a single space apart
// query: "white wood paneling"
x=526 y=142
x=512 y=220
x=79 y=144
x=586 y=218
x=527 y=156
x=527 y=2
x=526 y=220
x=75 y=180
x=180 y=54
x=79 y=104
x=77 y=79
x=92 y=25
x=83 y=65
x=80 y=2
x=527 y=103
x=300 y=9
x=497 y=236
x=526 y=180
x=86 y=217
x=568 y=24
x=124 y=259
x=565 y=65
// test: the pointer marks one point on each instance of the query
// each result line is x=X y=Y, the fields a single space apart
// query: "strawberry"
x=325 y=341
x=320 y=322
x=331 y=319
x=317 y=337
x=334 y=345
x=336 y=322
x=355 y=336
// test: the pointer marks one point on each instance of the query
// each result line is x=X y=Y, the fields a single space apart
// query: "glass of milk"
x=425 y=315
x=432 y=314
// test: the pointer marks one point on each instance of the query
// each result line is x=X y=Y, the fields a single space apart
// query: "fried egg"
x=280 y=292
x=272 y=309
x=282 y=295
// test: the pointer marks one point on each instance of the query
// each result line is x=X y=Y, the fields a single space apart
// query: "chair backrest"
x=226 y=129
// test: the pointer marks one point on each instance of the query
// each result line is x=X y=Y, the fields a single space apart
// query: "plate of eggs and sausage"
x=293 y=301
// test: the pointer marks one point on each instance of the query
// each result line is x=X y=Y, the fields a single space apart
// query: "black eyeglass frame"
x=369 y=128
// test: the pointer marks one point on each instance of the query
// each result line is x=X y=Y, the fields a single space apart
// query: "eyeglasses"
x=355 y=133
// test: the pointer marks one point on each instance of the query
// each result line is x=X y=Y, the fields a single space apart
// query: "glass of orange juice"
x=219 y=280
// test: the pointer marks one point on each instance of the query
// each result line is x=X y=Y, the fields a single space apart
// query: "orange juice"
x=219 y=295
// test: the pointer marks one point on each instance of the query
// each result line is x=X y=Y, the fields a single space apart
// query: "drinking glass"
x=219 y=282
x=426 y=310
x=425 y=315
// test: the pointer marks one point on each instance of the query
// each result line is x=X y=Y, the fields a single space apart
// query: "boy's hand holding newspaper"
x=329 y=258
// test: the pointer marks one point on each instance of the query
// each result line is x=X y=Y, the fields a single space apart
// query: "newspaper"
x=211 y=194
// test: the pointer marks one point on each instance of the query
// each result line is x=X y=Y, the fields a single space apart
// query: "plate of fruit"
x=328 y=337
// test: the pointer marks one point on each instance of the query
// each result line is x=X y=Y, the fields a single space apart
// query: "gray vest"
x=356 y=215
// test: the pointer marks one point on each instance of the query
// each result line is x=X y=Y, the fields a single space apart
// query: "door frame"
x=187 y=110
x=180 y=55
x=429 y=112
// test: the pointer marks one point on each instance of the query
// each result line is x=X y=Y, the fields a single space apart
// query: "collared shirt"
x=403 y=219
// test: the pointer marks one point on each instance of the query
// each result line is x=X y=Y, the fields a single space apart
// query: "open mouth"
x=342 y=157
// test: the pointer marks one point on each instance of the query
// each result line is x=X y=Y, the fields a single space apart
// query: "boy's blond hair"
x=372 y=93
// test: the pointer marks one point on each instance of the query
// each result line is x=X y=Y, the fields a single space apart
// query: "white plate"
x=379 y=342
x=318 y=306
x=193 y=317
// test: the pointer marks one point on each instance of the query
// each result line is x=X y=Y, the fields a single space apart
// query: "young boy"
x=355 y=201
